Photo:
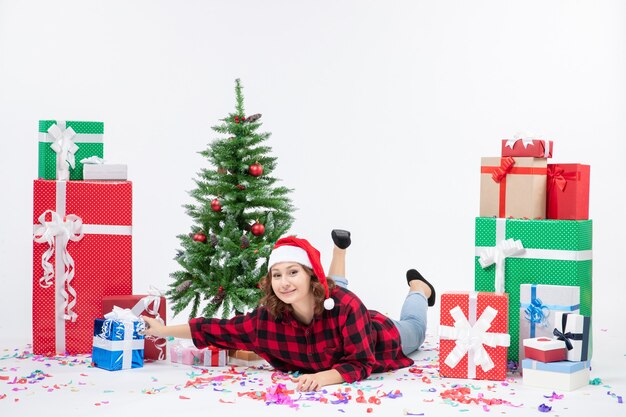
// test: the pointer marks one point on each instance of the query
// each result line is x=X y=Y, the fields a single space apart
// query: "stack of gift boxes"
x=82 y=251
x=82 y=256
x=532 y=269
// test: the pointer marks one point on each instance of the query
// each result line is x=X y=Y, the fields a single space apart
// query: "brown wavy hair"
x=276 y=307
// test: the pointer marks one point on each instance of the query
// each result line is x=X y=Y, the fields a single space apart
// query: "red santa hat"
x=293 y=249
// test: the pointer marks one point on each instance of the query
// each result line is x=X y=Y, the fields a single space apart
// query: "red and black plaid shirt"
x=348 y=338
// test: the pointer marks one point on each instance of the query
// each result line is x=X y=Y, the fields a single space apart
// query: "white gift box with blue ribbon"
x=538 y=307
x=117 y=341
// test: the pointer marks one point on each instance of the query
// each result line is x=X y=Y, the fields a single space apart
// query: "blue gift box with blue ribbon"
x=117 y=344
x=539 y=305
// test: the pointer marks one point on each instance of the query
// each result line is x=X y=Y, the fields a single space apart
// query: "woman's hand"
x=157 y=329
x=153 y=327
x=313 y=382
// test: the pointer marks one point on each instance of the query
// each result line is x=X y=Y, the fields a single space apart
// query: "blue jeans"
x=412 y=323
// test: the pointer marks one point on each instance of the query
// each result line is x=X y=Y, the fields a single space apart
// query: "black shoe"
x=341 y=238
x=412 y=274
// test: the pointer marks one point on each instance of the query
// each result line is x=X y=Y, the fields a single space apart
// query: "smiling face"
x=291 y=283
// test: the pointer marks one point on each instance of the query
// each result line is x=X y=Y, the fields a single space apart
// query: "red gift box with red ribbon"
x=82 y=252
x=536 y=148
x=474 y=335
x=568 y=192
x=151 y=305
x=513 y=187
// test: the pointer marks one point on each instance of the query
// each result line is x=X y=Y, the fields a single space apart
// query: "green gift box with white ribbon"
x=511 y=252
x=63 y=144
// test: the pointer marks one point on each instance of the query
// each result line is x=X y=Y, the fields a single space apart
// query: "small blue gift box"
x=117 y=344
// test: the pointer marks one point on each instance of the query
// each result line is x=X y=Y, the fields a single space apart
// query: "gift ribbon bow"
x=497 y=255
x=558 y=177
x=471 y=339
x=567 y=337
x=537 y=312
x=506 y=164
x=526 y=140
x=65 y=148
x=59 y=232
x=153 y=298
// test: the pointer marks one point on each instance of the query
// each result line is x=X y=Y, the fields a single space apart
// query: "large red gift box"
x=537 y=148
x=82 y=252
x=513 y=187
x=151 y=305
x=474 y=335
x=568 y=192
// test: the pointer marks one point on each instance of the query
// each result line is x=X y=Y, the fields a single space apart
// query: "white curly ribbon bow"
x=153 y=298
x=57 y=233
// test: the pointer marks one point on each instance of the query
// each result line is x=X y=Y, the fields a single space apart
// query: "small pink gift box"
x=191 y=355
x=544 y=349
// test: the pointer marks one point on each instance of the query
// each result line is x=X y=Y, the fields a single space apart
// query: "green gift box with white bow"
x=511 y=252
x=63 y=144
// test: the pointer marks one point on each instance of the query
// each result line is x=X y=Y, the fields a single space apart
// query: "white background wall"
x=379 y=113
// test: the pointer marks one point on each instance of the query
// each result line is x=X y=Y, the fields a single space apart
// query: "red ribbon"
x=558 y=176
x=498 y=174
x=506 y=164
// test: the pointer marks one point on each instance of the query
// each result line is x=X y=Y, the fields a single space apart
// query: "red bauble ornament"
x=215 y=205
x=241 y=187
x=255 y=169
x=236 y=119
x=199 y=237
x=221 y=289
x=257 y=229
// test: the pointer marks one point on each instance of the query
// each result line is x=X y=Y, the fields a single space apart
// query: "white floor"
x=31 y=386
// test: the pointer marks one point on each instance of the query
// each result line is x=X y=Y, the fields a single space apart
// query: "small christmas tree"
x=239 y=215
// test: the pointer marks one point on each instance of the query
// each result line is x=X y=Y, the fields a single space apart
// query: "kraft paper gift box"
x=536 y=148
x=473 y=335
x=511 y=252
x=63 y=144
x=191 y=355
x=82 y=252
x=539 y=305
x=513 y=187
x=244 y=358
x=555 y=376
x=117 y=343
x=568 y=192
x=575 y=331
x=544 y=349
x=151 y=305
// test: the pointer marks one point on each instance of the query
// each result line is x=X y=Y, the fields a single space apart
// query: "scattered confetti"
x=614 y=395
x=544 y=408
x=554 y=396
x=238 y=385
x=461 y=395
